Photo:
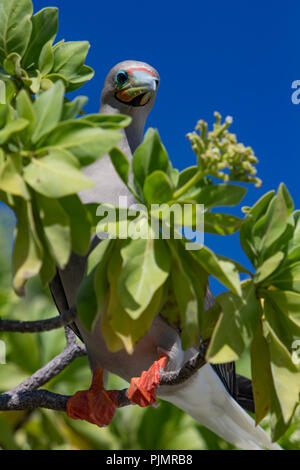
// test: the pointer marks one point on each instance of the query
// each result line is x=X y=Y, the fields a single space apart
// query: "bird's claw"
x=142 y=390
x=95 y=405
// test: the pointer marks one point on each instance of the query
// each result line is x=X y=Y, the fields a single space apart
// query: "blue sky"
x=239 y=58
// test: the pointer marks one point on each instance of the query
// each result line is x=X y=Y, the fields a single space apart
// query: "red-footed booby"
x=130 y=88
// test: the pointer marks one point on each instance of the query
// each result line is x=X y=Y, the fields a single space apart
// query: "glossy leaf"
x=149 y=156
x=25 y=110
x=71 y=109
x=44 y=29
x=157 y=188
x=56 y=175
x=236 y=325
x=187 y=303
x=119 y=329
x=108 y=121
x=221 y=224
x=145 y=267
x=11 y=128
x=276 y=218
x=48 y=108
x=286 y=377
x=289 y=278
x=261 y=374
x=56 y=225
x=268 y=267
x=94 y=285
x=27 y=256
x=79 y=223
x=86 y=142
x=69 y=60
x=10 y=179
x=221 y=269
x=214 y=195
x=46 y=59
x=120 y=163
x=15 y=26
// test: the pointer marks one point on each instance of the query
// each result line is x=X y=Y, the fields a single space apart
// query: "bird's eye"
x=121 y=77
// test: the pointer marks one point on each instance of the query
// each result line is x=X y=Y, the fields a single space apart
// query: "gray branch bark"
x=38 y=326
x=26 y=396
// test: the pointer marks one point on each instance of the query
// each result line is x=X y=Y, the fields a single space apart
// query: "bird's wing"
x=60 y=299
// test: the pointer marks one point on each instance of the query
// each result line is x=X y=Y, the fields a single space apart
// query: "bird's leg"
x=95 y=405
x=142 y=390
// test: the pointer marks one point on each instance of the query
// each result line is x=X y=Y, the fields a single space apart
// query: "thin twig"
x=52 y=369
x=40 y=325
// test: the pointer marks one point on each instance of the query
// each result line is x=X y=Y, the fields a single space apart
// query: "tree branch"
x=38 y=326
x=24 y=396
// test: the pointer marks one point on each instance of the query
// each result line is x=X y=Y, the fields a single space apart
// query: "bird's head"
x=130 y=86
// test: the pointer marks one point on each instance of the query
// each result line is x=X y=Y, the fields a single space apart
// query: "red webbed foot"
x=95 y=405
x=142 y=390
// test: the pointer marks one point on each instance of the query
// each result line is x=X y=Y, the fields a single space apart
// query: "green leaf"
x=260 y=207
x=282 y=310
x=246 y=239
x=151 y=155
x=15 y=26
x=118 y=328
x=94 y=286
x=56 y=225
x=261 y=374
x=213 y=195
x=13 y=127
x=209 y=321
x=79 y=78
x=12 y=64
x=157 y=188
x=108 y=121
x=44 y=29
x=145 y=267
x=79 y=222
x=286 y=377
x=268 y=267
x=184 y=176
x=25 y=110
x=10 y=179
x=221 y=224
x=246 y=231
x=71 y=109
x=46 y=59
x=69 y=57
x=27 y=256
x=48 y=108
x=120 y=163
x=34 y=82
x=191 y=319
x=173 y=174
x=289 y=278
x=56 y=175
x=236 y=325
x=223 y=270
x=86 y=301
x=87 y=143
x=276 y=218
x=187 y=302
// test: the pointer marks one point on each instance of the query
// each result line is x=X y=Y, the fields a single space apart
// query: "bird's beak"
x=139 y=90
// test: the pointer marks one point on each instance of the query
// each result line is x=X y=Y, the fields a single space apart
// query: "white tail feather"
x=205 y=398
